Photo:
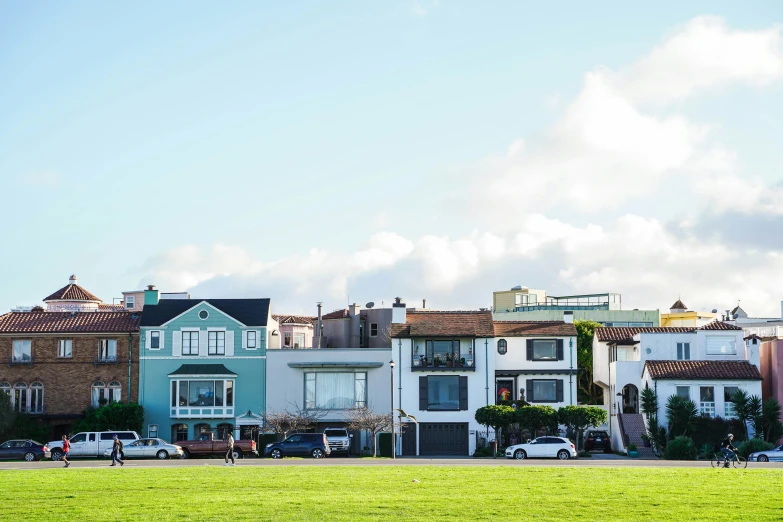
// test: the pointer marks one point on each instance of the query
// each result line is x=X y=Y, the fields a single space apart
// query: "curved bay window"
x=502 y=346
x=194 y=398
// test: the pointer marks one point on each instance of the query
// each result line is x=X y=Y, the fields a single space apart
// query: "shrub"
x=632 y=447
x=680 y=448
x=712 y=430
x=706 y=451
x=753 y=445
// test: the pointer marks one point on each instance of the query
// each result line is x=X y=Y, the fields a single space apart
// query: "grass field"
x=384 y=492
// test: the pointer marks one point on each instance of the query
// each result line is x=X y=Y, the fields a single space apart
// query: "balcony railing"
x=24 y=359
x=426 y=363
x=106 y=359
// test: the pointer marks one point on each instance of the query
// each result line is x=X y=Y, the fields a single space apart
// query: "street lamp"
x=394 y=441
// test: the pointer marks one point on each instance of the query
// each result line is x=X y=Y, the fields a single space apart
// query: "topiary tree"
x=681 y=448
x=587 y=390
x=536 y=418
x=682 y=415
x=497 y=417
x=579 y=418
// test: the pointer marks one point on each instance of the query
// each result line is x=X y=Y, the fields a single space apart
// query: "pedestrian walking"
x=230 y=449
x=116 y=452
x=66 y=450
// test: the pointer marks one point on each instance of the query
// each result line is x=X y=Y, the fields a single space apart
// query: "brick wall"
x=68 y=381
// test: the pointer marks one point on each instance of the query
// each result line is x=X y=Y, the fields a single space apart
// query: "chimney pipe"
x=319 y=333
x=424 y=303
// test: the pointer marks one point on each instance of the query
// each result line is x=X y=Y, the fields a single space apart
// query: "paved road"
x=607 y=461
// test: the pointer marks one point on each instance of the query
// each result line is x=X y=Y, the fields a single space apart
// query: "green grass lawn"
x=388 y=492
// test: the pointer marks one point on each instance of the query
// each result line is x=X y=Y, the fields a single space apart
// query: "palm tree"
x=740 y=399
x=682 y=415
x=754 y=413
x=770 y=419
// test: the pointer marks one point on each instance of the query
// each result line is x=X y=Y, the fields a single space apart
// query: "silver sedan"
x=773 y=455
x=148 y=449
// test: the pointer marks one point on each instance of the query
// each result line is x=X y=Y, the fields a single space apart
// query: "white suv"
x=91 y=443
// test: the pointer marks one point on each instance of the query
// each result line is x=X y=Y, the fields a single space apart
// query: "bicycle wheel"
x=740 y=462
x=718 y=460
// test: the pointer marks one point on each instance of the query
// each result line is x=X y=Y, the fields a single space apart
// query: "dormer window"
x=130 y=301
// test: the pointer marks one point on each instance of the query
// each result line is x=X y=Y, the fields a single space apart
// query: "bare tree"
x=278 y=422
x=292 y=419
x=364 y=419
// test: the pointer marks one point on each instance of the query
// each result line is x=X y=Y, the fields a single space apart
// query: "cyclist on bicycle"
x=727 y=449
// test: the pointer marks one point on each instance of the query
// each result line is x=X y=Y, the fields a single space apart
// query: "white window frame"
x=62 y=344
x=190 y=334
x=677 y=393
x=25 y=348
x=683 y=351
x=298 y=338
x=311 y=403
x=187 y=411
x=730 y=341
x=130 y=301
x=217 y=338
x=373 y=328
x=153 y=337
x=152 y=431
x=105 y=348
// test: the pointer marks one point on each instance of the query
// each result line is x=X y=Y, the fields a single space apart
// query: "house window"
x=373 y=329
x=502 y=346
x=130 y=301
x=190 y=343
x=154 y=340
x=217 y=343
x=64 y=348
x=198 y=429
x=443 y=392
x=730 y=409
x=683 y=351
x=721 y=345
x=544 y=390
x=115 y=391
x=108 y=350
x=20 y=397
x=36 y=397
x=299 y=340
x=684 y=392
x=22 y=351
x=442 y=353
x=622 y=354
x=103 y=394
x=287 y=340
x=203 y=314
x=152 y=431
x=202 y=393
x=223 y=430
x=544 y=350
x=179 y=432
x=707 y=401
x=5 y=387
x=335 y=390
x=251 y=340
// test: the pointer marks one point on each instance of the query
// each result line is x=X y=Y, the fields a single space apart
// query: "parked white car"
x=543 y=447
x=91 y=443
x=148 y=449
x=773 y=455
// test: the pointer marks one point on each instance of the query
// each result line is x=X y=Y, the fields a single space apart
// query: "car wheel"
x=185 y=453
x=520 y=454
x=563 y=455
x=763 y=458
x=29 y=456
x=163 y=454
x=57 y=455
x=318 y=453
x=238 y=454
x=277 y=454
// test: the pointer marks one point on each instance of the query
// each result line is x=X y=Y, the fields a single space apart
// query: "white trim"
x=216 y=329
x=199 y=304
x=189 y=329
x=195 y=357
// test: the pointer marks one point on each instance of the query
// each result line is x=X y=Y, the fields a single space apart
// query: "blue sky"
x=359 y=150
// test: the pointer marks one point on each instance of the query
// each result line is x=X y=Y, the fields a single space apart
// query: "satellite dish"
x=369 y=305
x=735 y=316
x=715 y=311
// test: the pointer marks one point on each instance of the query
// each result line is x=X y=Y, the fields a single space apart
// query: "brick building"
x=55 y=364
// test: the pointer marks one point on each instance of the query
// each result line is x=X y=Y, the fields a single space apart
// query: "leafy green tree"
x=536 y=418
x=579 y=418
x=770 y=420
x=7 y=416
x=682 y=415
x=114 y=416
x=588 y=391
x=496 y=417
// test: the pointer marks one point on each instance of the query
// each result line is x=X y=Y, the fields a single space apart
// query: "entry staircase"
x=632 y=426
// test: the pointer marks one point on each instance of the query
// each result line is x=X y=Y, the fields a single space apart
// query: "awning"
x=202 y=370
x=335 y=365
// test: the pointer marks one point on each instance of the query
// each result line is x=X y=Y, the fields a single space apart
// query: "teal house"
x=202 y=366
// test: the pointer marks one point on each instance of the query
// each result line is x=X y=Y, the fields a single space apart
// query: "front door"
x=408 y=439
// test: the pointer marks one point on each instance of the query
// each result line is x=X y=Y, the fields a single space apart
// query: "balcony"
x=106 y=359
x=23 y=359
x=429 y=363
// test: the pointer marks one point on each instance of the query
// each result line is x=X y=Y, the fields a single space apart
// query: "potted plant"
x=438 y=362
x=632 y=450
x=462 y=362
x=423 y=361
x=449 y=361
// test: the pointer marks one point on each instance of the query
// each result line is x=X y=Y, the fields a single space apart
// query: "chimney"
x=354 y=309
x=73 y=279
x=424 y=303
x=568 y=317
x=151 y=295
x=320 y=325
x=398 y=311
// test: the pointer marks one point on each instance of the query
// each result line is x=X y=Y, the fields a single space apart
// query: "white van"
x=91 y=443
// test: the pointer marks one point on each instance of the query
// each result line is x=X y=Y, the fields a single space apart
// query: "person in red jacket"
x=66 y=449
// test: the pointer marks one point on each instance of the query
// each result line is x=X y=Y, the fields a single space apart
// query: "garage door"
x=443 y=438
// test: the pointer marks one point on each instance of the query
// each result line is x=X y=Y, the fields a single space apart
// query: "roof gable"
x=246 y=312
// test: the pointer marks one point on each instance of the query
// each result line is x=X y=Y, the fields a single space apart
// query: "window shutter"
x=423 y=401
x=148 y=339
x=530 y=349
x=687 y=351
x=463 y=392
x=202 y=343
x=560 y=350
x=176 y=343
x=244 y=339
x=679 y=351
x=529 y=387
x=559 y=386
x=230 y=343
x=161 y=337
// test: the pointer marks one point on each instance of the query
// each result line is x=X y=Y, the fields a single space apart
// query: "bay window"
x=335 y=390
x=202 y=393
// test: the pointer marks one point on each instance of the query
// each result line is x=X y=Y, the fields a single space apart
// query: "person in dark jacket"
x=230 y=449
x=727 y=449
x=116 y=452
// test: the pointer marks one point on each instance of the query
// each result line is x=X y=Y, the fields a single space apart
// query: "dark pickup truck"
x=207 y=444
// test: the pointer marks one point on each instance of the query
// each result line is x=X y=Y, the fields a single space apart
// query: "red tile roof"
x=294 y=319
x=337 y=314
x=445 y=324
x=703 y=370
x=525 y=328
x=72 y=293
x=606 y=333
x=66 y=322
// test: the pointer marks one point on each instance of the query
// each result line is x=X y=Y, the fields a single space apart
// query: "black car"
x=299 y=445
x=598 y=440
x=22 y=449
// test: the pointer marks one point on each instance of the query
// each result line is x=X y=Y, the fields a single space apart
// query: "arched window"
x=115 y=391
x=179 y=432
x=5 y=387
x=20 y=397
x=99 y=397
x=502 y=346
x=37 y=397
x=200 y=428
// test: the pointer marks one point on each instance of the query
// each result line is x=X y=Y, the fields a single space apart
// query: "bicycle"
x=719 y=461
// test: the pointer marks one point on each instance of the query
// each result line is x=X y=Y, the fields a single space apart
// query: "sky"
x=348 y=151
